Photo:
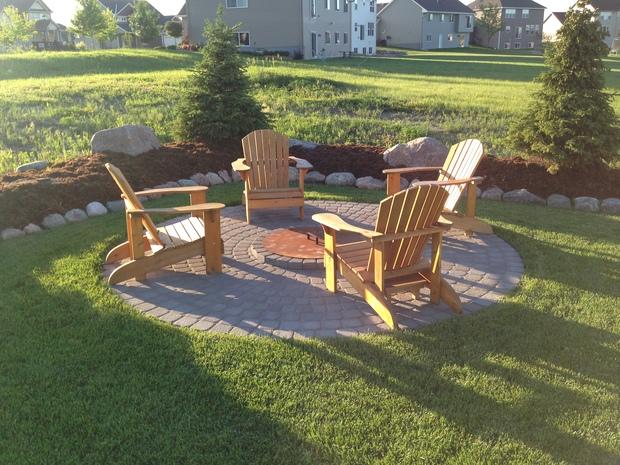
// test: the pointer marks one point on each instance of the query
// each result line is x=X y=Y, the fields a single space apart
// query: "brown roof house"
x=46 y=30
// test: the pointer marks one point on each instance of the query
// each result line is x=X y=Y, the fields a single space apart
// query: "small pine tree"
x=571 y=121
x=216 y=105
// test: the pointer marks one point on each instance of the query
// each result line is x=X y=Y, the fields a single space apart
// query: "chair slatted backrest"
x=133 y=200
x=266 y=153
x=410 y=210
x=461 y=163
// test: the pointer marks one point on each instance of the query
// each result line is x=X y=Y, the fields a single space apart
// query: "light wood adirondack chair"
x=456 y=174
x=264 y=171
x=165 y=245
x=389 y=259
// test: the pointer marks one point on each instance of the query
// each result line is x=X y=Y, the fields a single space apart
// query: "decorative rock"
x=201 y=179
x=404 y=184
x=368 y=182
x=493 y=193
x=53 y=221
x=214 y=179
x=522 y=196
x=187 y=183
x=415 y=181
x=478 y=192
x=129 y=140
x=76 y=215
x=423 y=151
x=340 y=179
x=293 y=174
x=224 y=175
x=32 y=229
x=611 y=205
x=116 y=205
x=33 y=166
x=558 y=201
x=315 y=177
x=167 y=185
x=301 y=143
x=96 y=209
x=236 y=177
x=11 y=233
x=586 y=204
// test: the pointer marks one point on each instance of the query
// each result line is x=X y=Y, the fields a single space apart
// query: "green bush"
x=216 y=105
x=571 y=121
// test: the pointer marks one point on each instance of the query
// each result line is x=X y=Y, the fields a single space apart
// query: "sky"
x=63 y=10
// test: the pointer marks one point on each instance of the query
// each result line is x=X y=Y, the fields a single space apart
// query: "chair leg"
x=247 y=211
x=450 y=297
x=301 y=212
x=435 y=274
x=329 y=259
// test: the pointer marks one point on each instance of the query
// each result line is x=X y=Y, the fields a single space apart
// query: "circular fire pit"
x=295 y=248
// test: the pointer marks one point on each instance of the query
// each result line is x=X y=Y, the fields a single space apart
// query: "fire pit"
x=296 y=242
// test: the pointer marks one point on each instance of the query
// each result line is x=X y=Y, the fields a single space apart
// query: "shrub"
x=216 y=105
x=571 y=121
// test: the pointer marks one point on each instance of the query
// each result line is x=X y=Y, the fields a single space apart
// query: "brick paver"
x=255 y=297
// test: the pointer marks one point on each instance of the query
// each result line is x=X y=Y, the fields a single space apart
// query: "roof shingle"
x=531 y=4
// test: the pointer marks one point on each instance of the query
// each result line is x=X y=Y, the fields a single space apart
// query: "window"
x=243 y=39
x=530 y=45
x=450 y=37
x=345 y=37
x=336 y=37
x=605 y=29
x=443 y=18
x=507 y=45
x=510 y=13
x=313 y=8
x=507 y=28
x=537 y=28
x=328 y=4
x=236 y=3
x=346 y=6
x=122 y=19
x=527 y=29
x=429 y=38
x=451 y=18
x=605 y=15
x=371 y=29
x=525 y=13
x=369 y=50
x=338 y=5
x=430 y=16
x=355 y=50
x=362 y=32
x=517 y=44
x=519 y=33
x=328 y=38
x=468 y=25
x=372 y=6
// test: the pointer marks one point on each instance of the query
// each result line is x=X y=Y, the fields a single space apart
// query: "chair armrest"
x=420 y=232
x=412 y=169
x=336 y=223
x=173 y=190
x=239 y=165
x=300 y=163
x=451 y=182
x=201 y=207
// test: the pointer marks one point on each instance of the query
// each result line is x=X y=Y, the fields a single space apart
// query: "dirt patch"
x=28 y=197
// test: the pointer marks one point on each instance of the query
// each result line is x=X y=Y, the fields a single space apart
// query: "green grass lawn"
x=84 y=379
x=52 y=103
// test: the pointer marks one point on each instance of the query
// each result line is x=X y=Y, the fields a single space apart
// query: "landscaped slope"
x=85 y=379
x=52 y=103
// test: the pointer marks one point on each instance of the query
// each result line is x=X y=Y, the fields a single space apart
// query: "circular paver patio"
x=254 y=296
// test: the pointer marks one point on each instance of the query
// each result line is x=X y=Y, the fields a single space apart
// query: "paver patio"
x=255 y=296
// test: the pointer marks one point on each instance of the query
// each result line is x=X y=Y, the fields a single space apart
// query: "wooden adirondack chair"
x=456 y=174
x=389 y=259
x=165 y=245
x=264 y=171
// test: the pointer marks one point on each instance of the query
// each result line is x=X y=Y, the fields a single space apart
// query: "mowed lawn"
x=52 y=103
x=84 y=379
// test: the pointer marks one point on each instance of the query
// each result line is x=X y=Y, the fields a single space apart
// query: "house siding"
x=441 y=31
x=400 y=24
x=612 y=24
x=326 y=20
x=536 y=18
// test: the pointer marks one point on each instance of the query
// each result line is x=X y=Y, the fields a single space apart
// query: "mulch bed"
x=28 y=197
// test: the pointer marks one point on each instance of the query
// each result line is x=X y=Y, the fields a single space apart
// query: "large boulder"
x=368 y=182
x=96 y=209
x=224 y=175
x=33 y=166
x=423 y=151
x=522 y=196
x=315 y=177
x=129 y=140
x=53 y=220
x=75 y=215
x=559 y=201
x=493 y=193
x=11 y=233
x=611 y=205
x=201 y=179
x=293 y=174
x=302 y=143
x=115 y=205
x=340 y=179
x=32 y=229
x=586 y=204
x=214 y=179
x=187 y=183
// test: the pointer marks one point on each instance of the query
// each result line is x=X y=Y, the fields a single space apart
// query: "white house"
x=363 y=26
x=552 y=25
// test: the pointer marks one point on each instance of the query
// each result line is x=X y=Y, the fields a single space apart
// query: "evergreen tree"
x=144 y=22
x=216 y=105
x=174 y=29
x=15 y=28
x=571 y=121
x=92 y=20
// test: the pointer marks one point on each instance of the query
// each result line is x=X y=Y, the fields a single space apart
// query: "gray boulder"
x=301 y=143
x=558 y=201
x=115 y=205
x=32 y=229
x=404 y=184
x=33 y=166
x=96 y=209
x=167 y=185
x=187 y=183
x=368 y=182
x=214 y=179
x=201 y=179
x=129 y=140
x=611 y=205
x=414 y=182
x=236 y=177
x=293 y=174
x=340 y=179
x=53 y=220
x=224 y=175
x=586 y=204
x=493 y=193
x=423 y=151
x=522 y=196
x=315 y=177
x=75 y=215
x=11 y=233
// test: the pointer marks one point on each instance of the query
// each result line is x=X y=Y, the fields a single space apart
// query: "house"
x=522 y=24
x=552 y=25
x=425 y=24
x=303 y=28
x=609 y=17
x=46 y=35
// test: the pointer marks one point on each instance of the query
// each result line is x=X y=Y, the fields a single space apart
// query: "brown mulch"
x=28 y=197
